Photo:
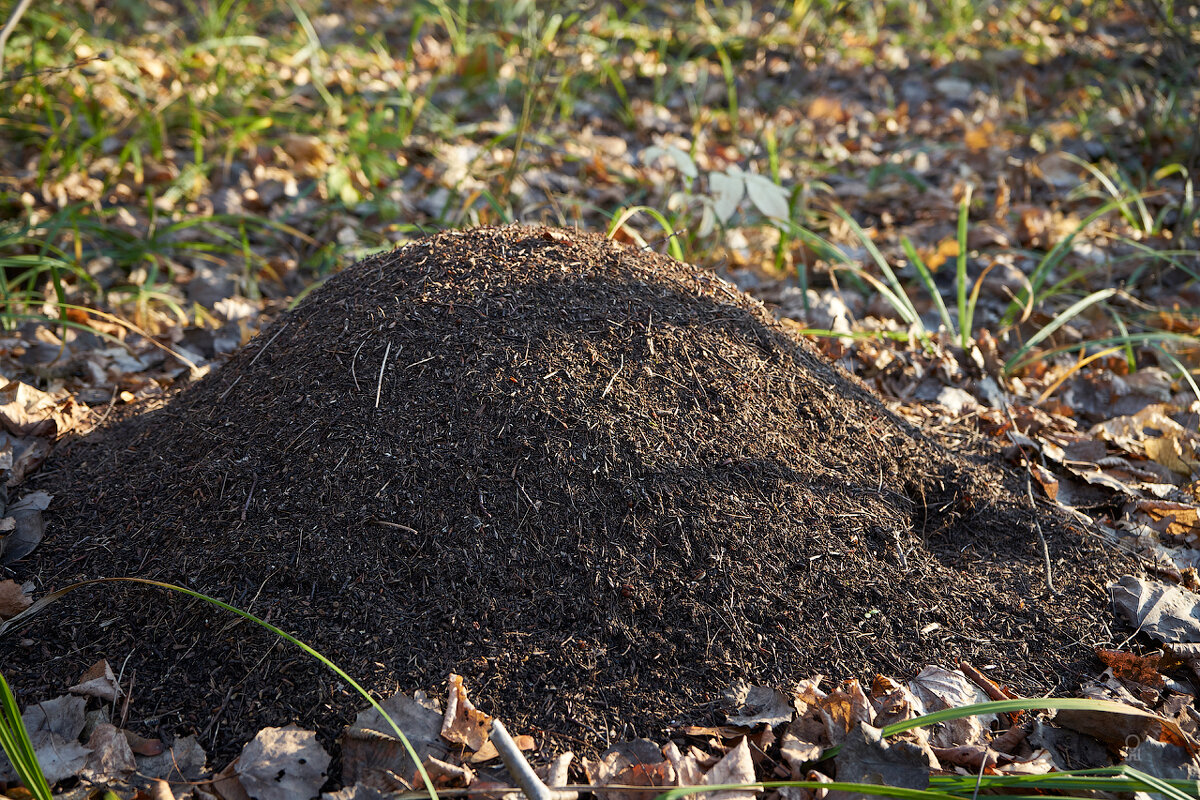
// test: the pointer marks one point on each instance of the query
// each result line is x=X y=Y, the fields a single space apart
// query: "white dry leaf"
x=736 y=767
x=938 y=688
x=762 y=704
x=683 y=162
x=283 y=764
x=727 y=190
x=1167 y=613
x=768 y=197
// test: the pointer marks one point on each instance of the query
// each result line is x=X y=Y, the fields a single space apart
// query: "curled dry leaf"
x=1142 y=670
x=142 y=746
x=688 y=769
x=448 y=776
x=24 y=526
x=26 y=411
x=844 y=709
x=99 y=681
x=464 y=724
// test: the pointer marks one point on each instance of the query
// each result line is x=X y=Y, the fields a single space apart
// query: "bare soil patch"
x=599 y=483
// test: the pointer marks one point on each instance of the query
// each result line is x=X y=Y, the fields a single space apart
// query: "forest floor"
x=985 y=213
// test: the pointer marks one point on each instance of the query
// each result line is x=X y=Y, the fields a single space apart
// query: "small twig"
x=128 y=697
x=253 y=483
x=112 y=401
x=1037 y=526
x=268 y=344
x=379 y=387
x=352 y=363
x=13 y=19
x=519 y=769
x=229 y=388
x=397 y=525
x=608 y=388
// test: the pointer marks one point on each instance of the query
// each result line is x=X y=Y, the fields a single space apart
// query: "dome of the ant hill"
x=600 y=484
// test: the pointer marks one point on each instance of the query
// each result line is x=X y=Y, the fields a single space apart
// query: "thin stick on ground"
x=270 y=342
x=379 y=387
x=1033 y=507
x=519 y=768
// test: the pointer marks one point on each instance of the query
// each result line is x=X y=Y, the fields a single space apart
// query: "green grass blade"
x=897 y=302
x=964 y=312
x=1006 y=706
x=930 y=285
x=905 y=307
x=14 y=741
x=862 y=788
x=1052 y=260
x=1185 y=372
x=673 y=246
x=1056 y=323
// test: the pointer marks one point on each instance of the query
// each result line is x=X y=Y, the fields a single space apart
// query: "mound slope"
x=600 y=484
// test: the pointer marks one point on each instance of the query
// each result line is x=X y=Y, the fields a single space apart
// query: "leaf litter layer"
x=601 y=484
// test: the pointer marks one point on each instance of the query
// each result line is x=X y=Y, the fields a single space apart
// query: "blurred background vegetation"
x=197 y=162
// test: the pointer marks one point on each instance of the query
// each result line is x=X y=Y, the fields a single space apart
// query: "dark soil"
x=600 y=484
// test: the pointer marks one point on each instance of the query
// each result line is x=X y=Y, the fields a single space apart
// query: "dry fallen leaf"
x=111 y=760
x=371 y=754
x=13 y=599
x=283 y=764
x=464 y=724
x=939 y=688
x=761 y=705
x=54 y=727
x=636 y=763
x=25 y=527
x=183 y=763
x=1167 y=613
x=867 y=758
x=735 y=767
x=448 y=776
x=844 y=709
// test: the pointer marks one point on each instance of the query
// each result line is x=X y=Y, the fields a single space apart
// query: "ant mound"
x=600 y=484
